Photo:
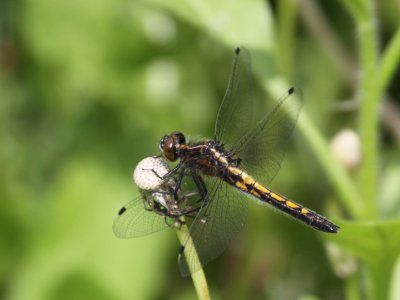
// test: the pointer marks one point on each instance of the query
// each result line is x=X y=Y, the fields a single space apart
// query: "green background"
x=88 y=88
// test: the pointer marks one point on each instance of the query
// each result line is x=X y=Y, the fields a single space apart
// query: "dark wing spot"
x=291 y=91
x=237 y=51
x=181 y=249
x=122 y=210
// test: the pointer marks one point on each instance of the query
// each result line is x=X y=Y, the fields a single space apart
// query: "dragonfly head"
x=169 y=145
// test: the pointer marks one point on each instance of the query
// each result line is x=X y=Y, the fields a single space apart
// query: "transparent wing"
x=134 y=220
x=263 y=147
x=236 y=113
x=214 y=227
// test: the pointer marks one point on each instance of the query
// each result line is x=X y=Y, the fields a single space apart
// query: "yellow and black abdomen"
x=247 y=184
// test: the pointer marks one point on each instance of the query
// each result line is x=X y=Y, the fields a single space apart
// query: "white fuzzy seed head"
x=145 y=178
x=346 y=147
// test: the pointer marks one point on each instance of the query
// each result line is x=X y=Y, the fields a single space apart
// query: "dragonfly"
x=243 y=157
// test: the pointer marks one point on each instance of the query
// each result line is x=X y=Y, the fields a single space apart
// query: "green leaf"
x=238 y=23
x=356 y=8
x=75 y=249
x=376 y=244
x=390 y=61
x=389 y=202
x=394 y=286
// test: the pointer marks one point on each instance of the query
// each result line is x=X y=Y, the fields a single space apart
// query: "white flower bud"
x=346 y=147
x=148 y=173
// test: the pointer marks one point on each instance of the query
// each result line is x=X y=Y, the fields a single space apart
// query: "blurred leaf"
x=80 y=287
x=377 y=244
x=394 y=285
x=238 y=23
x=248 y=24
x=75 y=246
x=308 y=297
x=357 y=8
x=80 y=57
x=389 y=203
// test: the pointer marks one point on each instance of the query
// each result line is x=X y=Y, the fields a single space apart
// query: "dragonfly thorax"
x=206 y=157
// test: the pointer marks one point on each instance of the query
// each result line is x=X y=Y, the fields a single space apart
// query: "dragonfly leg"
x=170 y=172
x=178 y=184
x=166 y=175
x=200 y=185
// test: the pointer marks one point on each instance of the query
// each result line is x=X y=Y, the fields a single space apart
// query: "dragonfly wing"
x=262 y=149
x=134 y=220
x=217 y=223
x=236 y=113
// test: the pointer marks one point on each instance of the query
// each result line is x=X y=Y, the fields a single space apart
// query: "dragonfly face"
x=170 y=144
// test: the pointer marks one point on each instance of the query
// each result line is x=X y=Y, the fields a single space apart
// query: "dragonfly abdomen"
x=249 y=185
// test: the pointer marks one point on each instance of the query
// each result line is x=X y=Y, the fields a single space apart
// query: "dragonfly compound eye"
x=167 y=147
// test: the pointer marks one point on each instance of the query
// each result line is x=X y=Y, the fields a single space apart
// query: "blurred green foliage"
x=87 y=88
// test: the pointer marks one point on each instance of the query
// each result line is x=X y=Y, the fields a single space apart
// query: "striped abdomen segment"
x=247 y=184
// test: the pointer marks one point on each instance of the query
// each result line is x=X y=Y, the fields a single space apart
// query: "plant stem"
x=369 y=117
x=350 y=197
x=286 y=26
x=352 y=287
x=390 y=61
x=198 y=277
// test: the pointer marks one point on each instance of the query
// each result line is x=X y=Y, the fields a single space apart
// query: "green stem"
x=390 y=61
x=352 y=287
x=198 y=277
x=286 y=19
x=350 y=198
x=369 y=117
x=378 y=281
x=357 y=8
